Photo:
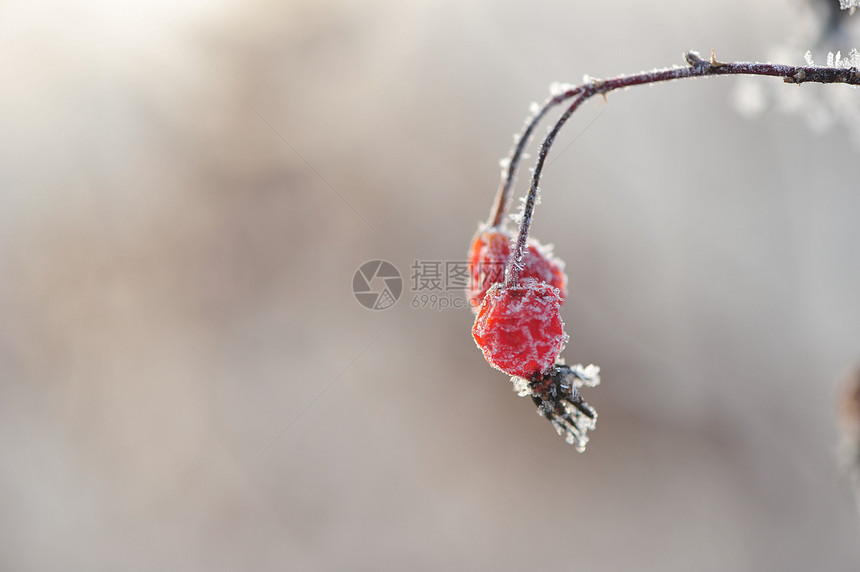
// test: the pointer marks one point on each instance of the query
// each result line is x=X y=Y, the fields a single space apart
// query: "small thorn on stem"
x=714 y=63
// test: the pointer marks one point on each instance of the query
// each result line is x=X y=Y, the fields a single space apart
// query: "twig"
x=697 y=67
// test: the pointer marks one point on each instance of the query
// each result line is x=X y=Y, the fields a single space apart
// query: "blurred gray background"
x=186 y=190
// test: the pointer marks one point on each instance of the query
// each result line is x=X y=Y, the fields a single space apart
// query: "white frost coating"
x=808 y=58
x=505 y=162
x=534 y=108
x=588 y=376
x=557 y=88
x=846 y=4
x=521 y=386
x=852 y=60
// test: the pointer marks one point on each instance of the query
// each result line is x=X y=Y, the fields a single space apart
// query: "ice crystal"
x=557 y=88
x=556 y=394
x=821 y=109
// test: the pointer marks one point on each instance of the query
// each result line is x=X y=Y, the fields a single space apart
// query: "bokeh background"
x=187 y=383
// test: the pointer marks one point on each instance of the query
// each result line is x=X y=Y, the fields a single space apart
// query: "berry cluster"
x=518 y=287
x=517 y=297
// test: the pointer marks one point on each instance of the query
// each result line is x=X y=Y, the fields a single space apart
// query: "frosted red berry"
x=519 y=327
x=489 y=254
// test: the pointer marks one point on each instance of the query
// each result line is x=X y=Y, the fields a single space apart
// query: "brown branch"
x=697 y=67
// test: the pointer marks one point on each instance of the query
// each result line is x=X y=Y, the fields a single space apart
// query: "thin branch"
x=500 y=203
x=698 y=67
x=512 y=270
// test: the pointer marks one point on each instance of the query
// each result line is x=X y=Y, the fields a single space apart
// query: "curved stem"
x=500 y=203
x=698 y=67
x=514 y=265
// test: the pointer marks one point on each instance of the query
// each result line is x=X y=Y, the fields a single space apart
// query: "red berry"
x=519 y=327
x=489 y=254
